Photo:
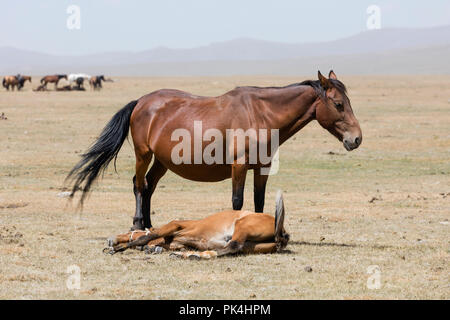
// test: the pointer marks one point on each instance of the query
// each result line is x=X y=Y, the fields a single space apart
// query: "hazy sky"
x=133 y=25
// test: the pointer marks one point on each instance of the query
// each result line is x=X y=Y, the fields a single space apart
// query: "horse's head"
x=334 y=112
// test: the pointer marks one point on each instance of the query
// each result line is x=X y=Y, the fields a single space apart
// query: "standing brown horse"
x=155 y=117
x=53 y=79
x=10 y=81
x=13 y=81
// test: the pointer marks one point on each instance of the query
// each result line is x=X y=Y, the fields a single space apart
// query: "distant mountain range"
x=384 y=51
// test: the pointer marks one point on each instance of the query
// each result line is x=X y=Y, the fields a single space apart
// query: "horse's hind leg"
x=238 y=174
x=157 y=171
x=263 y=247
x=259 y=189
x=195 y=255
x=140 y=186
x=248 y=248
x=255 y=228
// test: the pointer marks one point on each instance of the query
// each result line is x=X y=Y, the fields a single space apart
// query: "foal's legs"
x=259 y=189
x=157 y=171
x=263 y=247
x=140 y=185
x=165 y=231
x=238 y=174
x=248 y=248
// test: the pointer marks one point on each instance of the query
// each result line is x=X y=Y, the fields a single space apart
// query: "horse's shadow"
x=336 y=244
x=323 y=244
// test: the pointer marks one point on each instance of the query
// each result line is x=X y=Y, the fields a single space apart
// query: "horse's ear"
x=332 y=75
x=324 y=82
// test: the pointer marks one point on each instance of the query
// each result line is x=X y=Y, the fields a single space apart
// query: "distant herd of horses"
x=76 y=82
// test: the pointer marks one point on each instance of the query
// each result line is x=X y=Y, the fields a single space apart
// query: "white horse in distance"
x=74 y=76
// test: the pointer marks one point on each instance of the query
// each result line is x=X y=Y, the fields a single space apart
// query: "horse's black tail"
x=42 y=80
x=4 y=83
x=100 y=154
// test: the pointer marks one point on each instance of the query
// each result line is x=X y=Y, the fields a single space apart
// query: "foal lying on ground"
x=222 y=233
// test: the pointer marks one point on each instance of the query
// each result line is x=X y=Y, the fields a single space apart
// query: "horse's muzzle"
x=352 y=143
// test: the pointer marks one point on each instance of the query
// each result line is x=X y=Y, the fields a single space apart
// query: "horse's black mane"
x=315 y=84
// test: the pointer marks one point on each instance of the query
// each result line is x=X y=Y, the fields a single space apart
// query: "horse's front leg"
x=238 y=174
x=157 y=171
x=259 y=189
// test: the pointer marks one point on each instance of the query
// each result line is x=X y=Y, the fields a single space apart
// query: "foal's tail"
x=100 y=154
x=281 y=237
x=279 y=214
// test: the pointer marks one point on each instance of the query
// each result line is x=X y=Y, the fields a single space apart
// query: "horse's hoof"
x=108 y=250
x=177 y=255
x=153 y=249
x=137 y=228
x=110 y=242
x=194 y=257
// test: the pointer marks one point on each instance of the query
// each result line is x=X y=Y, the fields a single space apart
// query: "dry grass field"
x=385 y=204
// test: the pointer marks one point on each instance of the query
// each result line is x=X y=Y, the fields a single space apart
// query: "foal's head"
x=334 y=112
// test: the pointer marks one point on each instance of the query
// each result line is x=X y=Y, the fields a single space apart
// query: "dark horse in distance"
x=154 y=117
x=96 y=82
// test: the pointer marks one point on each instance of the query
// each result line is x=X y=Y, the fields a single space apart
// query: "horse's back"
x=172 y=101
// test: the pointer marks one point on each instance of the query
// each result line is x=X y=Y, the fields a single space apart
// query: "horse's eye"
x=339 y=105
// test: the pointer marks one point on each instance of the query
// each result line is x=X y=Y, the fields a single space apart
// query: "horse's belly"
x=221 y=239
x=200 y=172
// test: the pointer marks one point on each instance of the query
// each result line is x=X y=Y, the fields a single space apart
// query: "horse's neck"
x=292 y=108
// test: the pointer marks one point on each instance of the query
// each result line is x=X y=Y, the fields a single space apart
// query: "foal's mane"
x=315 y=84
